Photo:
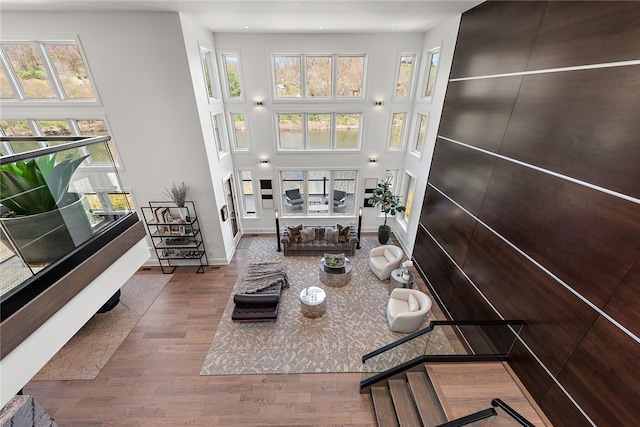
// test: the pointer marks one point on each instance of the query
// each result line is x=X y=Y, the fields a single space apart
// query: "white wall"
x=444 y=37
x=142 y=75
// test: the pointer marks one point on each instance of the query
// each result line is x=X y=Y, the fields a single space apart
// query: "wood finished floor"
x=153 y=378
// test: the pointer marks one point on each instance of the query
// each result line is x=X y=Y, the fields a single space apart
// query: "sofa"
x=316 y=240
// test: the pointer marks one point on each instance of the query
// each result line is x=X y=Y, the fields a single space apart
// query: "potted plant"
x=390 y=204
x=44 y=219
x=178 y=195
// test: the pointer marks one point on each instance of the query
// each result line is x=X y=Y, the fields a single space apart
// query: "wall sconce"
x=264 y=160
x=258 y=103
x=378 y=103
x=278 y=229
x=373 y=160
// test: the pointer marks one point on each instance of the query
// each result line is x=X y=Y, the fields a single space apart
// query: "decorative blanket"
x=263 y=275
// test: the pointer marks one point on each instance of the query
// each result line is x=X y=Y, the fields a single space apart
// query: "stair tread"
x=383 y=406
x=403 y=403
x=428 y=405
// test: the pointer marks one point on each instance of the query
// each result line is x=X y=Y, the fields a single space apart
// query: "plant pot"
x=49 y=236
x=383 y=234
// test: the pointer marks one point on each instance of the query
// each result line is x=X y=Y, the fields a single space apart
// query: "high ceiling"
x=273 y=16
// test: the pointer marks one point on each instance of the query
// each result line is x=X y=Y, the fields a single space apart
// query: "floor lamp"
x=278 y=230
x=359 y=226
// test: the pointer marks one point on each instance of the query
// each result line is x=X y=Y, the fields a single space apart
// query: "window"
x=311 y=131
x=318 y=192
x=100 y=153
x=248 y=193
x=34 y=71
x=206 y=60
x=217 y=122
x=232 y=72
x=408 y=196
x=433 y=59
x=318 y=76
x=239 y=132
x=405 y=75
x=420 y=133
x=396 y=136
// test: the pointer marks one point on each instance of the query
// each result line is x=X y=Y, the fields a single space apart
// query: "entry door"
x=231 y=206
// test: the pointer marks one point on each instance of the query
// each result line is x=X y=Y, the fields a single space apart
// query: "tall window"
x=217 y=121
x=433 y=59
x=405 y=76
x=318 y=76
x=396 y=136
x=311 y=131
x=408 y=195
x=318 y=192
x=239 y=131
x=44 y=70
x=206 y=59
x=421 y=132
x=232 y=72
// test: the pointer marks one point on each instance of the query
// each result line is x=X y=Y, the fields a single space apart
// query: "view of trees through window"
x=405 y=73
x=37 y=66
x=422 y=131
x=314 y=76
x=232 y=67
x=434 y=58
x=239 y=131
x=397 y=131
x=99 y=153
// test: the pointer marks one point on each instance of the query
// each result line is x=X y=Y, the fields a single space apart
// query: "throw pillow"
x=389 y=256
x=343 y=233
x=294 y=233
x=414 y=305
x=307 y=234
x=320 y=233
x=331 y=235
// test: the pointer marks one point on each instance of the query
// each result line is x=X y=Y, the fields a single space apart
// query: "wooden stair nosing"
x=426 y=399
x=383 y=406
x=403 y=402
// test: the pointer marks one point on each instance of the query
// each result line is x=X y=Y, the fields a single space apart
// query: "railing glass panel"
x=452 y=339
x=55 y=195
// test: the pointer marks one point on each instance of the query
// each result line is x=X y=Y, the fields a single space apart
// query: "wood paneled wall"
x=532 y=208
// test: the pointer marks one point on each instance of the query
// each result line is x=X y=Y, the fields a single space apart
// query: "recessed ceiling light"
x=393 y=27
x=320 y=27
x=245 y=27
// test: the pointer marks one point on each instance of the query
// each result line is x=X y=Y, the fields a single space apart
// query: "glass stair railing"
x=441 y=341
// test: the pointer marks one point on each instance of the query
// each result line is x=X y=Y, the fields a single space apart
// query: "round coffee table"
x=335 y=277
x=313 y=302
x=397 y=281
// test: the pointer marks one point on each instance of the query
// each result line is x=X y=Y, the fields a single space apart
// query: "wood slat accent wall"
x=532 y=208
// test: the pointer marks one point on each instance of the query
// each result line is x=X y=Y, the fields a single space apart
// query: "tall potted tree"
x=390 y=205
x=44 y=219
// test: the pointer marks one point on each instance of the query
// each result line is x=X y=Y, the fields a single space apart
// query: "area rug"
x=91 y=348
x=354 y=324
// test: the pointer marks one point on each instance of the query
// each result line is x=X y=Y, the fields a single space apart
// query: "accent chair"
x=384 y=259
x=407 y=309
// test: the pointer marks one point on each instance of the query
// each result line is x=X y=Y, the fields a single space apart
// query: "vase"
x=383 y=234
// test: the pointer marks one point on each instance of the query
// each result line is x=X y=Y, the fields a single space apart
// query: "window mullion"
x=11 y=77
x=303 y=76
x=51 y=71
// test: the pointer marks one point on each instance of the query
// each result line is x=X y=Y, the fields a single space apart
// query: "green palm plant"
x=37 y=185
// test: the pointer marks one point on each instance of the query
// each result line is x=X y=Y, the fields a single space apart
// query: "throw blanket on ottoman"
x=259 y=296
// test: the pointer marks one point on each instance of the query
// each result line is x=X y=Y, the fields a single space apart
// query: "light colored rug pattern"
x=91 y=348
x=354 y=324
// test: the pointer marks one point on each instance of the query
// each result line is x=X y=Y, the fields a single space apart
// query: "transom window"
x=206 y=59
x=405 y=75
x=232 y=73
x=431 y=71
x=239 y=131
x=396 y=136
x=38 y=71
x=318 y=76
x=318 y=192
x=318 y=131
x=57 y=127
x=421 y=132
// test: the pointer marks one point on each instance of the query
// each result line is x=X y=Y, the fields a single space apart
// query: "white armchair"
x=407 y=309
x=384 y=259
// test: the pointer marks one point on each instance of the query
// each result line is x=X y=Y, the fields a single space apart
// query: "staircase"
x=409 y=402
